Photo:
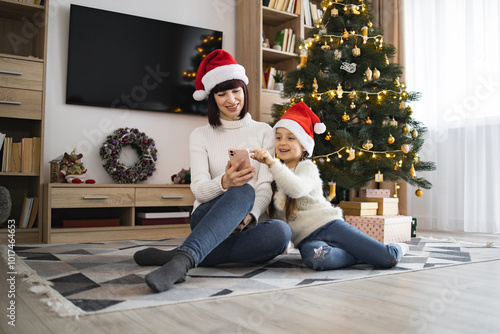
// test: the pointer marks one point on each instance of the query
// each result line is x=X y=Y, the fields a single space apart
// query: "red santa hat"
x=217 y=67
x=302 y=121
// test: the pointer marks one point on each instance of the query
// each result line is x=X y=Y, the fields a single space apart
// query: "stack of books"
x=286 y=39
x=290 y=6
x=20 y=157
x=29 y=212
x=163 y=218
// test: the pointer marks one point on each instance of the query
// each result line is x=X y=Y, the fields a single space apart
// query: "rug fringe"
x=487 y=244
x=39 y=286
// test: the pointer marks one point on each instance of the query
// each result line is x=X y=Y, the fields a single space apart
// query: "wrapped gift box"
x=359 y=208
x=375 y=193
x=386 y=229
x=386 y=206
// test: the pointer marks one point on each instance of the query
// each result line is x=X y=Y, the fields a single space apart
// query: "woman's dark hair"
x=213 y=110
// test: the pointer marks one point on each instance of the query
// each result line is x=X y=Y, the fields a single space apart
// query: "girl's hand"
x=234 y=178
x=263 y=156
x=247 y=220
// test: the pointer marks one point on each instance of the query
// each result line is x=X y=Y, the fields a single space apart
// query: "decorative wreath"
x=110 y=153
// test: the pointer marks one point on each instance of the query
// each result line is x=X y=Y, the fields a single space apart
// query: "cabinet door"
x=92 y=197
x=167 y=196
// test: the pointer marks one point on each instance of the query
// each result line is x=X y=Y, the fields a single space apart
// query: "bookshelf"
x=255 y=20
x=23 y=40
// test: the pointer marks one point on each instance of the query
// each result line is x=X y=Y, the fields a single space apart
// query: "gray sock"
x=153 y=256
x=174 y=271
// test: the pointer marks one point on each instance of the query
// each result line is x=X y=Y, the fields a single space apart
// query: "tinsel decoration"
x=142 y=168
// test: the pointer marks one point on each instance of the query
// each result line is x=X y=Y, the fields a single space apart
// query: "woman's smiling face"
x=230 y=103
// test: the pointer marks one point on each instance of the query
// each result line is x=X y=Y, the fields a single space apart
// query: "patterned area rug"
x=87 y=278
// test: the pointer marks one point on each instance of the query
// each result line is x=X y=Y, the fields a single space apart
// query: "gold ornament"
x=391 y=139
x=355 y=10
x=340 y=91
x=328 y=136
x=303 y=60
x=338 y=54
x=386 y=60
x=325 y=47
x=353 y=105
x=333 y=189
x=393 y=122
x=368 y=74
x=379 y=177
x=356 y=51
x=396 y=82
x=368 y=121
x=345 y=118
x=405 y=148
x=395 y=166
x=419 y=192
x=335 y=12
x=414 y=133
x=369 y=24
x=406 y=128
x=401 y=105
x=346 y=34
x=412 y=171
x=299 y=85
x=368 y=145
x=315 y=86
x=376 y=74
x=351 y=156
x=415 y=158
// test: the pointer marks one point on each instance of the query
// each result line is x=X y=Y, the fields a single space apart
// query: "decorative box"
x=55 y=168
x=359 y=208
x=386 y=229
x=386 y=206
x=375 y=193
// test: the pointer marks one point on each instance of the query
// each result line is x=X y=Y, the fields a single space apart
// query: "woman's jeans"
x=211 y=242
x=338 y=244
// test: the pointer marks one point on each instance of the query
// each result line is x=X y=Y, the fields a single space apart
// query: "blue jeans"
x=338 y=244
x=211 y=242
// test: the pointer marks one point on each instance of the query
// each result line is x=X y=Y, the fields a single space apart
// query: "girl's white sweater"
x=305 y=185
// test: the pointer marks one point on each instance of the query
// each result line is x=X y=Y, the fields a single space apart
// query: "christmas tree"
x=345 y=75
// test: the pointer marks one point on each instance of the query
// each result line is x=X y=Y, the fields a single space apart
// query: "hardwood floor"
x=457 y=299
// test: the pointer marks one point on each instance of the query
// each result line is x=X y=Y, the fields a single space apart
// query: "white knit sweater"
x=305 y=185
x=209 y=156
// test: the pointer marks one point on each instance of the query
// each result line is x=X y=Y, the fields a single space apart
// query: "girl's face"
x=288 y=147
x=230 y=103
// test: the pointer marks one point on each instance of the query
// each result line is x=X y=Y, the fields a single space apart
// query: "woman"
x=324 y=239
x=229 y=219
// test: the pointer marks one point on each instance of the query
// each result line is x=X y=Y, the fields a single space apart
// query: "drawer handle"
x=95 y=197
x=172 y=197
x=10 y=102
x=11 y=73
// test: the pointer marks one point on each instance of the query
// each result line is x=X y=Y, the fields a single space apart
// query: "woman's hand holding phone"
x=238 y=169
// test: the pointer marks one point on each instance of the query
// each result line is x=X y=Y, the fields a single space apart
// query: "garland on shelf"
x=142 y=168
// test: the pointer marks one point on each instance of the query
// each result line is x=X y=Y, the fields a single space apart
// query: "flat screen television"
x=123 y=61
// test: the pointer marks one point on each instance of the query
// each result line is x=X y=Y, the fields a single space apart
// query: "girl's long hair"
x=290 y=203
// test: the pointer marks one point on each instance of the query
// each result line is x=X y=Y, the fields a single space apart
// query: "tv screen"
x=124 y=61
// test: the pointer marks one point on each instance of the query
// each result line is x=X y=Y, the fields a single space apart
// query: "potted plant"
x=278 y=81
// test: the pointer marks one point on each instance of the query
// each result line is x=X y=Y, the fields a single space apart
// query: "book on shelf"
x=26 y=211
x=269 y=74
x=21 y=157
x=34 y=213
x=170 y=214
x=2 y=139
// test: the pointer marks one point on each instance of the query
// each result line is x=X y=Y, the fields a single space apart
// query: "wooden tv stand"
x=97 y=201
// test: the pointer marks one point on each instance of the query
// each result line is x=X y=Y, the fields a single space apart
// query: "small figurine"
x=183 y=177
x=72 y=169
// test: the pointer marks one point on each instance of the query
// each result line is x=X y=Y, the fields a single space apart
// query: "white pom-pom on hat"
x=303 y=123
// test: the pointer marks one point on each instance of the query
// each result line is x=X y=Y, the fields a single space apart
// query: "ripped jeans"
x=337 y=245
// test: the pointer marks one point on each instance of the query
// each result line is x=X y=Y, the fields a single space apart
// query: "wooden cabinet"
x=112 y=201
x=23 y=40
x=253 y=20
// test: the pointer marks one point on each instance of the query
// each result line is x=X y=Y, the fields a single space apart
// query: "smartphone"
x=236 y=154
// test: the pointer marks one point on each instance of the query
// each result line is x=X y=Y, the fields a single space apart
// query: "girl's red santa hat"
x=218 y=66
x=302 y=121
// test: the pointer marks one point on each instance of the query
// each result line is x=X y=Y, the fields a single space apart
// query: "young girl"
x=324 y=239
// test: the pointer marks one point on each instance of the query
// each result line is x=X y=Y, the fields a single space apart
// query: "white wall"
x=86 y=128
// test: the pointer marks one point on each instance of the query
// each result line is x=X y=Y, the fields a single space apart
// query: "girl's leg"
x=340 y=234
x=318 y=255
